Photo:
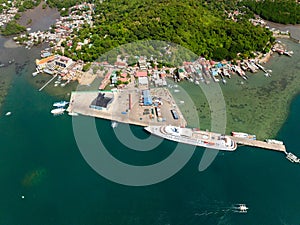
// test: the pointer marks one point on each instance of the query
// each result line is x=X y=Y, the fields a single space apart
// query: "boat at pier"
x=114 y=124
x=73 y=114
x=226 y=73
x=194 y=137
x=243 y=135
x=60 y=104
x=272 y=141
x=35 y=73
x=291 y=157
x=288 y=53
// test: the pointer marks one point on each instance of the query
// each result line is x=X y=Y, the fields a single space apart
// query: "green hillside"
x=280 y=11
x=199 y=26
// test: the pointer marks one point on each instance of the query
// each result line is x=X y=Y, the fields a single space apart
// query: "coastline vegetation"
x=12 y=28
x=279 y=11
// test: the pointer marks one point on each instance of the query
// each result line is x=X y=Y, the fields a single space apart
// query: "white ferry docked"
x=194 y=137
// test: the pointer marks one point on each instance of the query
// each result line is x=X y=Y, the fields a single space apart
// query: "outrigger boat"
x=241 y=208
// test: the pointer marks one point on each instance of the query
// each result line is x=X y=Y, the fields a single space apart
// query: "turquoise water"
x=40 y=160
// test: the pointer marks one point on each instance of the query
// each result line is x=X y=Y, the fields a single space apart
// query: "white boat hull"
x=198 y=138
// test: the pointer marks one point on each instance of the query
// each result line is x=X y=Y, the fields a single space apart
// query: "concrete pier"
x=48 y=82
x=126 y=107
x=269 y=146
x=259 y=144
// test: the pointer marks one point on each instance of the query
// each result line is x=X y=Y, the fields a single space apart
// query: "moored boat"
x=114 y=124
x=272 y=141
x=58 y=111
x=60 y=104
x=194 y=137
x=243 y=135
x=35 y=73
x=73 y=114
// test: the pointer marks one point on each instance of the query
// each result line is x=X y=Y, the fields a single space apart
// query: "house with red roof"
x=141 y=74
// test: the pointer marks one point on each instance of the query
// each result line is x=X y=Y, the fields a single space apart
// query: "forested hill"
x=280 y=11
x=200 y=26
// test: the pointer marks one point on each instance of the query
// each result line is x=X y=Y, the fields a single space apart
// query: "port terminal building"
x=102 y=101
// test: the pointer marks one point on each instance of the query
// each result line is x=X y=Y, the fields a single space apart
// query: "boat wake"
x=236 y=208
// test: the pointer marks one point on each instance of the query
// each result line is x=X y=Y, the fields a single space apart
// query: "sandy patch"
x=266 y=58
x=10 y=44
x=86 y=78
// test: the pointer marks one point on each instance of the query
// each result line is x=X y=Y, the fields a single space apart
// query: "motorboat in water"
x=241 y=208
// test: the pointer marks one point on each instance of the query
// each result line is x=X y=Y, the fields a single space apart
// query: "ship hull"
x=209 y=142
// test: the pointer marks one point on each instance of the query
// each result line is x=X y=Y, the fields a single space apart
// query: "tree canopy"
x=200 y=27
x=11 y=28
x=280 y=11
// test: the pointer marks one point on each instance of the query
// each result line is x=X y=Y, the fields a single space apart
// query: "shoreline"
x=262 y=104
x=236 y=118
x=293 y=29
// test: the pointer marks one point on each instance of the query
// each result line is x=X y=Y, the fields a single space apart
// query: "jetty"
x=49 y=81
x=290 y=156
x=268 y=146
x=263 y=69
x=259 y=144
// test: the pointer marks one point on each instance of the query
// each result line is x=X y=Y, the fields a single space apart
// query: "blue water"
x=40 y=160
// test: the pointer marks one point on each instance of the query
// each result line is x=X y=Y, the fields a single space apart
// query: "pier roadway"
x=259 y=144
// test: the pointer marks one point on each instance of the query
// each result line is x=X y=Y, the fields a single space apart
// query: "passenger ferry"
x=194 y=137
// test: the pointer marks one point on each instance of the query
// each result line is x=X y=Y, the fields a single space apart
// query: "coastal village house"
x=63 y=61
x=142 y=63
x=42 y=63
x=143 y=82
x=141 y=74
